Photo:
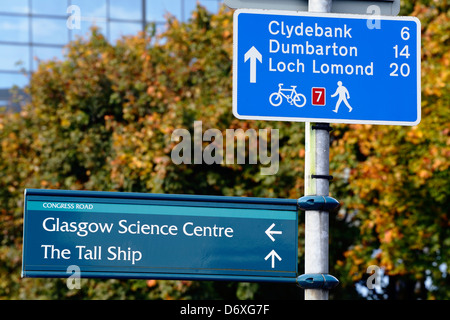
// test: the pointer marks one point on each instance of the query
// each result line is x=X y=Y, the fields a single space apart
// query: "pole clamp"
x=318 y=203
x=322 y=126
x=322 y=176
x=317 y=281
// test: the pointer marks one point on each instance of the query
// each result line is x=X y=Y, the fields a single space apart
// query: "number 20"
x=404 y=70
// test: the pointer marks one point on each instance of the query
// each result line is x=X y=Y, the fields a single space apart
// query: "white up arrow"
x=269 y=232
x=253 y=54
x=273 y=254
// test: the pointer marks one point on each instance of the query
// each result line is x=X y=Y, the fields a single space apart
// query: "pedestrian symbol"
x=343 y=96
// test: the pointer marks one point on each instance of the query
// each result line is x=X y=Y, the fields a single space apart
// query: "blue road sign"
x=154 y=236
x=292 y=66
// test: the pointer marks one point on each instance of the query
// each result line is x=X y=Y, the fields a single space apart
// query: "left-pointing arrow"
x=272 y=255
x=270 y=232
x=253 y=54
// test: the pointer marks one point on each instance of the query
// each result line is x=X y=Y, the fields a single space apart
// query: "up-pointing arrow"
x=272 y=255
x=253 y=54
x=269 y=232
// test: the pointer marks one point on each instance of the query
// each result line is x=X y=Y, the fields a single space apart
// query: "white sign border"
x=327 y=15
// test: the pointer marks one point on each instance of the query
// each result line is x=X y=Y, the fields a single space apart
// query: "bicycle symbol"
x=276 y=98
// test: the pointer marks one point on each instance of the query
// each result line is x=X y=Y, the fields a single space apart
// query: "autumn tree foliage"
x=398 y=190
x=102 y=119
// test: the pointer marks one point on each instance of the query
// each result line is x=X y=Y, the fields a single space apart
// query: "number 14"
x=404 y=52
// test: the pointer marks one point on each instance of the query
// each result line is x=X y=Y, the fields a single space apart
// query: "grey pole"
x=319 y=6
x=144 y=15
x=317 y=147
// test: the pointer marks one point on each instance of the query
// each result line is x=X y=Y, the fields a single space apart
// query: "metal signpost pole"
x=317 y=148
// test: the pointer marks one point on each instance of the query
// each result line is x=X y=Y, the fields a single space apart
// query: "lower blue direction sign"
x=134 y=235
x=293 y=66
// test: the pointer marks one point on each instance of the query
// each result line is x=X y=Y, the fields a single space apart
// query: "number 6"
x=405 y=33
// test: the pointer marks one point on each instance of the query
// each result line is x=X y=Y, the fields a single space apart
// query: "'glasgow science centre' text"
x=82 y=229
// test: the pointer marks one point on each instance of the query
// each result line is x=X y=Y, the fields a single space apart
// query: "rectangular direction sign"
x=156 y=236
x=293 y=66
